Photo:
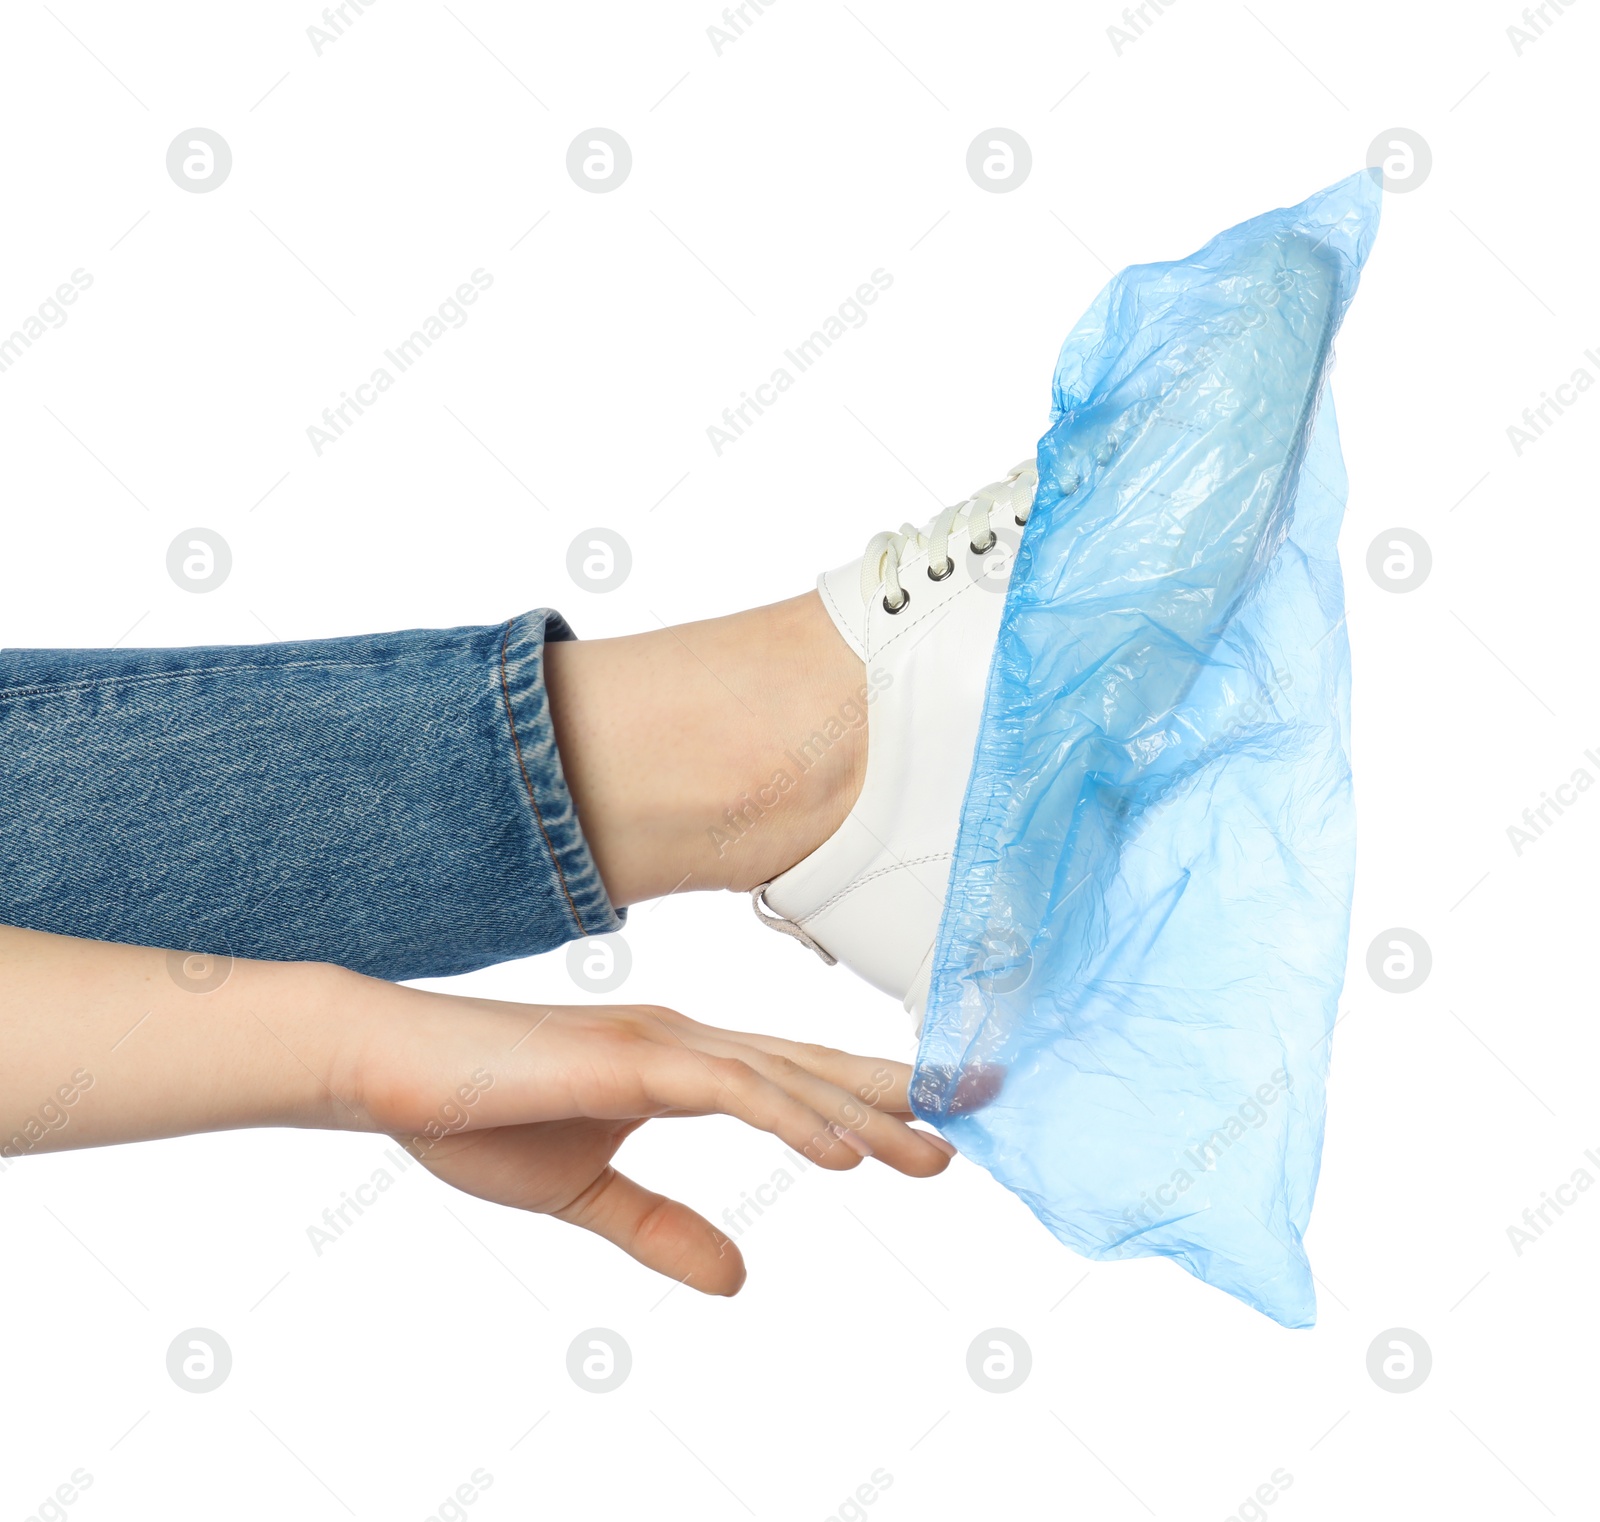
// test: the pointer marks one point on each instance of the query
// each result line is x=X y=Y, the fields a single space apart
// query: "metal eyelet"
x=1020 y=522
x=983 y=549
x=949 y=566
x=899 y=607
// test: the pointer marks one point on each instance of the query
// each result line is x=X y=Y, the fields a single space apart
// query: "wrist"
x=422 y=1066
x=388 y=1050
x=362 y=1026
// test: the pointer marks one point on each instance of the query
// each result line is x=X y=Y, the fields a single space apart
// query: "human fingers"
x=661 y=1233
x=851 y=1116
x=878 y=1081
x=860 y=1125
x=681 y=1079
x=863 y=1098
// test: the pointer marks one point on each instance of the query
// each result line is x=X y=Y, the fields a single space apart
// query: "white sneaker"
x=922 y=610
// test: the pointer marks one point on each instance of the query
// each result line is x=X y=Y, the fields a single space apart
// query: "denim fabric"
x=391 y=802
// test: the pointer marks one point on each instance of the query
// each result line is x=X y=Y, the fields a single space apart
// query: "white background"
x=767 y=183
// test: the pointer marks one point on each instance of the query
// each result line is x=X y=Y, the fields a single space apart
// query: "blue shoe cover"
x=1143 y=942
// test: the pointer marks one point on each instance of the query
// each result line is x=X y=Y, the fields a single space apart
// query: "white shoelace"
x=974 y=516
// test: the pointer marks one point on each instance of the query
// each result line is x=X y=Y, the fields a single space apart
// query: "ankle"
x=808 y=753
x=714 y=754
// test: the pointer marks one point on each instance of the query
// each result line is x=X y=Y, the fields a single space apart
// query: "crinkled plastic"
x=1136 y=975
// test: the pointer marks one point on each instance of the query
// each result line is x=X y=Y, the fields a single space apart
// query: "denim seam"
x=147 y=679
x=527 y=782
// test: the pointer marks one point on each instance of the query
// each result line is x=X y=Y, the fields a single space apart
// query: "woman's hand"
x=522 y=1104
x=527 y=1106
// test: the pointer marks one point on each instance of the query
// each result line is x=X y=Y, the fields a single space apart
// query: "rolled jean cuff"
x=533 y=743
x=393 y=803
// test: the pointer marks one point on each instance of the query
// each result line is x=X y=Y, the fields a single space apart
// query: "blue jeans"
x=390 y=802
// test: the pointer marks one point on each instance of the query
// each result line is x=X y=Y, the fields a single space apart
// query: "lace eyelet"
x=899 y=607
x=1020 y=522
x=949 y=566
x=983 y=549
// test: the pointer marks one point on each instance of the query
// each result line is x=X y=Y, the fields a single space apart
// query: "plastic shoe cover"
x=1144 y=937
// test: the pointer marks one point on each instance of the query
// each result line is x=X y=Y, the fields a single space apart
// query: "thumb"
x=662 y=1233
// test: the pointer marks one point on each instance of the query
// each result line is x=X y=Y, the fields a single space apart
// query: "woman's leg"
x=397 y=803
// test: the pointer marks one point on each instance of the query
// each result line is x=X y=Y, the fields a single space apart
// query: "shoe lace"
x=887 y=551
